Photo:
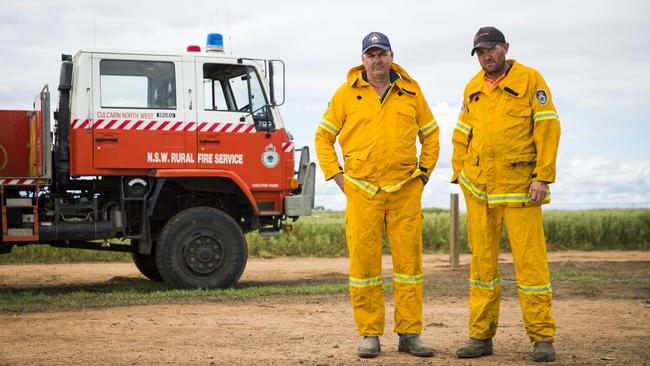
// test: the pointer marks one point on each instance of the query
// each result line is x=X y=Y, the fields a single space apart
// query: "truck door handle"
x=106 y=139
x=207 y=141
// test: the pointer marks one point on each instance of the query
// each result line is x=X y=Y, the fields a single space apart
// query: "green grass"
x=579 y=276
x=323 y=235
x=135 y=291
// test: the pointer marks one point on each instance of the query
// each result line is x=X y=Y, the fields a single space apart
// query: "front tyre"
x=146 y=264
x=201 y=247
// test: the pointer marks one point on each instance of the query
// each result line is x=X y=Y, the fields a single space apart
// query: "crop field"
x=323 y=235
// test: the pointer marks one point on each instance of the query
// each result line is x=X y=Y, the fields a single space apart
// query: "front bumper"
x=301 y=201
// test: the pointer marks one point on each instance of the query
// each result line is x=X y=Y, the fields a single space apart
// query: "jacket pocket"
x=354 y=161
x=520 y=110
x=520 y=168
x=523 y=159
x=404 y=160
x=404 y=126
x=406 y=115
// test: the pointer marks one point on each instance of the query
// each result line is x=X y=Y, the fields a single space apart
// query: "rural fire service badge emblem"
x=270 y=158
x=541 y=96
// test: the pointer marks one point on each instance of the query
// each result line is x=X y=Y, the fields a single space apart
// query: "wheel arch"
x=223 y=185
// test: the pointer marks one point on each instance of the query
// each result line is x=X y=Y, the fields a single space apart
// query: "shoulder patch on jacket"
x=541 y=96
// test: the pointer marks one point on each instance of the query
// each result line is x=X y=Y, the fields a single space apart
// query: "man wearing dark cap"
x=377 y=115
x=505 y=147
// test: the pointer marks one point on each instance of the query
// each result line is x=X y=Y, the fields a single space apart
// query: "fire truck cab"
x=182 y=153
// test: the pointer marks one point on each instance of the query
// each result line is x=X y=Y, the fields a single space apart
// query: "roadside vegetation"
x=323 y=234
x=122 y=291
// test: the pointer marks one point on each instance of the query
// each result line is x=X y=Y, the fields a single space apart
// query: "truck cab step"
x=20 y=232
x=19 y=202
x=269 y=231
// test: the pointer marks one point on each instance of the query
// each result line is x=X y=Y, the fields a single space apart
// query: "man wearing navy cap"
x=377 y=116
x=505 y=148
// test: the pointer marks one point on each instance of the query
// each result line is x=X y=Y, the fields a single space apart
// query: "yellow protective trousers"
x=399 y=213
x=526 y=236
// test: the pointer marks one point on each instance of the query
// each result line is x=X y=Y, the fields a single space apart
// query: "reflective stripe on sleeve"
x=470 y=187
x=466 y=129
x=490 y=285
x=541 y=116
x=368 y=187
x=536 y=290
x=498 y=197
x=329 y=127
x=394 y=187
x=429 y=127
x=515 y=198
x=402 y=278
x=365 y=282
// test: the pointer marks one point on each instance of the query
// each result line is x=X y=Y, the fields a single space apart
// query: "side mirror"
x=277 y=81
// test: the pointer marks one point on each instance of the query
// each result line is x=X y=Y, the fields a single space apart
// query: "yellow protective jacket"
x=506 y=138
x=377 y=137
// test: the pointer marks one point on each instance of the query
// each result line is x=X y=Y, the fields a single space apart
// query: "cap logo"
x=481 y=35
x=374 y=38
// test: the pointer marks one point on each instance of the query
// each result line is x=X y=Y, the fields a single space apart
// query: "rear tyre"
x=146 y=264
x=201 y=247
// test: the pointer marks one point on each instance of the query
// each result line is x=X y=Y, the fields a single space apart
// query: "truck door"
x=140 y=118
x=235 y=127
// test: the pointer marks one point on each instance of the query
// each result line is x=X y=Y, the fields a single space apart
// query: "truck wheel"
x=146 y=264
x=201 y=247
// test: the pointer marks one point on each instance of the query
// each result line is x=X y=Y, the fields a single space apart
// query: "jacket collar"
x=515 y=81
x=404 y=80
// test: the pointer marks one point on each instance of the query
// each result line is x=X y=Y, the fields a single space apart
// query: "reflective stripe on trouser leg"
x=526 y=234
x=404 y=232
x=364 y=223
x=484 y=227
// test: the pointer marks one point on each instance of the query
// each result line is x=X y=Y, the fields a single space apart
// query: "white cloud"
x=599 y=181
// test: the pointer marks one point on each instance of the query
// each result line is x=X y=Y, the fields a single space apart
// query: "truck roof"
x=216 y=55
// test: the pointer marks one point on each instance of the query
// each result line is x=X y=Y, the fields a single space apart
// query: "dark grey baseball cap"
x=487 y=37
x=375 y=39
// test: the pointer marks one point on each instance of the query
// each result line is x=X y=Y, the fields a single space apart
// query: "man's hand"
x=339 y=181
x=537 y=191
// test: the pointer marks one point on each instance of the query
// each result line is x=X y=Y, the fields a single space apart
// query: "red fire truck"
x=182 y=153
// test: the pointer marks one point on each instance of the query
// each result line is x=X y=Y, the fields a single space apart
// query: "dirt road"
x=599 y=322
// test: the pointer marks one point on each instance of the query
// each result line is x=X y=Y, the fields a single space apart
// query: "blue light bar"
x=215 y=42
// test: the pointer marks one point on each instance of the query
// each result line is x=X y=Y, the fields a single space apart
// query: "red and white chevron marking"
x=288 y=146
x=79 y=123
x=21 y=182
x=141 y=125
x=226 y=127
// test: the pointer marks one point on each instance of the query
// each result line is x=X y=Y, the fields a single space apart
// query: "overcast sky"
x=593 y=54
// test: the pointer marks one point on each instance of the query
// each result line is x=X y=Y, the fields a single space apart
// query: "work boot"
x=411 y=343
x=543 y=352
x=475 y=348
x=369 y=347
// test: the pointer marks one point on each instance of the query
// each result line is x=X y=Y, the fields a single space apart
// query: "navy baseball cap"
x=487 y=37
x=375 y=39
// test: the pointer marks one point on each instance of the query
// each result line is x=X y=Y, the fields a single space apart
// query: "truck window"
x=214 y=98
x=137 y=84
x=227 y=89
x=257 y=94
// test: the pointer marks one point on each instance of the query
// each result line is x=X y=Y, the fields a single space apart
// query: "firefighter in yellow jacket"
x=505 y=147
x=377 y=115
